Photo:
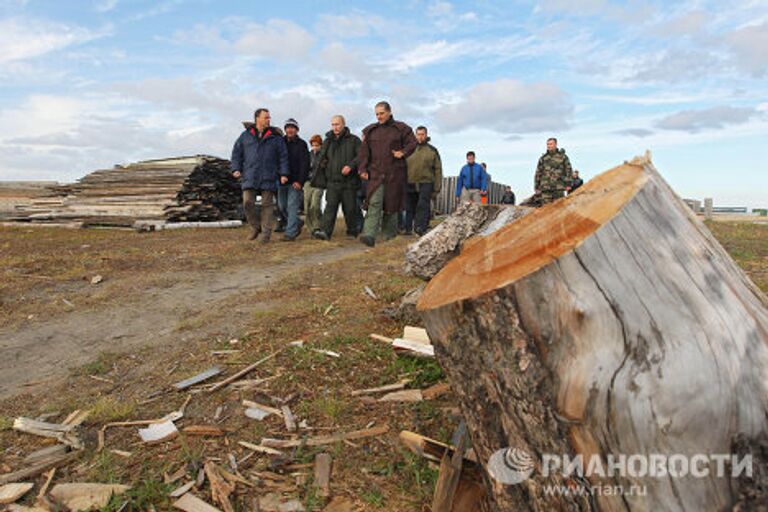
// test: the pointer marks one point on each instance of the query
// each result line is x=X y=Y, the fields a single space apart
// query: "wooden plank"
x=39 y=468
x=417 y=334
x=86 y=496
x=450 y=472
x=10 y=493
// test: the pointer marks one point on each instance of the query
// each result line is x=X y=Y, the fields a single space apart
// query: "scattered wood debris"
x=220 y=488
x=415 y=341
x=382 y=389
x=46 y=453
x=330 y=353
x=204 y=430
x=323 y=440
x=84 y=496
x=191 y=503
x=370 y=293
x=197 y=379
x=450 y=471
x=59 y=431
x=243 y=372
x=96 y=279
x=407 y=395
x=39 y=467
x=159 y=432
x=340 y=504
x=179 y=491
x=259 y=449
x=430 y=448
x=10 y=493
x=290 y=420
x=322 y=481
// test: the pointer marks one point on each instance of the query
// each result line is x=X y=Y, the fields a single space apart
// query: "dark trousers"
x=418 y=205
x=347 y=198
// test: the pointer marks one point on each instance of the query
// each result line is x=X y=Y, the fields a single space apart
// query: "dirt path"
x=47 y=349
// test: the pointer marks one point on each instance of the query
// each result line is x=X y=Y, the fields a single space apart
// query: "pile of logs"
x=198 y=188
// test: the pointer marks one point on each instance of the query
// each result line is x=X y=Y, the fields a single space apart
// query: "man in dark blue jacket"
x=289 y=193
x=259 y=159
x=472 y=182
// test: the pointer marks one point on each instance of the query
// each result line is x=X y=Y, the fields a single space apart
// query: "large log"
x=610 y=322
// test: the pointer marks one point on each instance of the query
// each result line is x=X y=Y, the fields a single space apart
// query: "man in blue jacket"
x=259 y=159
x=473 y=181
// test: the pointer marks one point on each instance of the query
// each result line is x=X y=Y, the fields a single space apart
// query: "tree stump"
x=607 y=322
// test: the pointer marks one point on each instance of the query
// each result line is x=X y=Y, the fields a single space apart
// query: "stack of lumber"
x=14 y=193
x=197 y=188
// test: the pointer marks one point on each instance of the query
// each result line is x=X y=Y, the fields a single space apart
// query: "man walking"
x=313 y=196
x=553 y=174
x=576 y=182
x=508 y=197
x=290 y=192
x=473 y=181
x=337 y=172
x=385 y=146
x=259 y=159
x=425 y=178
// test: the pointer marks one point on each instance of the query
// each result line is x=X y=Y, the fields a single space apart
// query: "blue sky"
x=87 y=84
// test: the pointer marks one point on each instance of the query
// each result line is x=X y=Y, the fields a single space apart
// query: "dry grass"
x=376 y=473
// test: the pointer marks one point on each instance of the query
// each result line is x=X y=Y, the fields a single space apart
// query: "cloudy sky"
x=87 y=84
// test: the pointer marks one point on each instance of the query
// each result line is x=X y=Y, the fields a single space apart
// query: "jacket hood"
x=248 y=125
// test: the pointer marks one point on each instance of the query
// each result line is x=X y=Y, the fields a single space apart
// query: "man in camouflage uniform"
x=553 y=174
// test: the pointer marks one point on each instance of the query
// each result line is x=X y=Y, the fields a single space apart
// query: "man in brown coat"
x=385 y=146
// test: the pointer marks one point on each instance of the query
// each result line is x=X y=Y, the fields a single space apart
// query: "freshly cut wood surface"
x=608 y=322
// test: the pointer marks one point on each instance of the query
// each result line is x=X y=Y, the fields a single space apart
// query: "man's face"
x=263 y=120
x=337 y=126
x=575 y=174
x=421 y=136
x=291 y=131
x=382 y=115
x=315 y=147
x=551 y=146
x=470 y=159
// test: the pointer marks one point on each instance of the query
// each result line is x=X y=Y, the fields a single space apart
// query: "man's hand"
x=397 y=153
x=296 y=185
x=346 y=170
x=537 y=191
x=364 y=175
x=567 y=189
x=283 y=180
x=236 y=174
x=483 y=192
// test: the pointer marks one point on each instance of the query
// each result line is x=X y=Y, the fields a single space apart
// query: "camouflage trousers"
x=548 y=196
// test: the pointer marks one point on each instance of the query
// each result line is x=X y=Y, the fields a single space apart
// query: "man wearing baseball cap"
x=289 y=194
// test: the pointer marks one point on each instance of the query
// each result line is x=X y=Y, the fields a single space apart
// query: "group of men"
x=393 y=173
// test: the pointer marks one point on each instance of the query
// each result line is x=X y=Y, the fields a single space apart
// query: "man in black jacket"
x=289 y=194
x=508 y=197
x=337 y=173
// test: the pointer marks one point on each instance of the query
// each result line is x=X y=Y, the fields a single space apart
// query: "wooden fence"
x=446 y=202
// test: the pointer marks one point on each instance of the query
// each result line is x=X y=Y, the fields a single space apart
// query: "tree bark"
x=608 y=322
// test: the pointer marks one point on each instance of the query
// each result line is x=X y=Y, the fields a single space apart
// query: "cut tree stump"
x=607 y=322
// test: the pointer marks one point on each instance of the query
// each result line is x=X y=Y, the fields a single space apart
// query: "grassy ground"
x=323 y=305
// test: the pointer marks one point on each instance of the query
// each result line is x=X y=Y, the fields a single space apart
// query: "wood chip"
x=370 y=293
x=381 y=389
x=179 y=491
x=243 y=372
x=417 y=334
x=414 y=347
x=46 y=453
x=255 y=405
x=39 y=468
x=290 y=420
x=204 y=430
x=62 y=433
x=121 y=453
x=435 y=391
x=191 y=503
x=329 y=353
x=158 y=432
x=84 y=496
x=259 y=449
x=197 y=379
x=220 y=488
x=407 y=395
x=10 y=493
x=322 y=479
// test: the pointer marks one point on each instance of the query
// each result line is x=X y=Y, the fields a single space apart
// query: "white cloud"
x=508 y=106
x=281 y=39
x=22 y=38
x=635 y=132
x=339 y=58
x=714 y=118
x=343 y=26
x=689 y=23
x=749 y=44
x=105 y=5
x=426 y=54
